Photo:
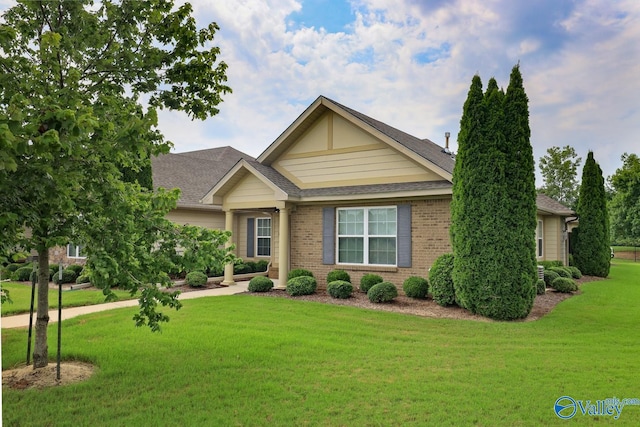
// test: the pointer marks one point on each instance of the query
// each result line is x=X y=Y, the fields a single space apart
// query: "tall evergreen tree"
x=493 y=208
x=591 y=250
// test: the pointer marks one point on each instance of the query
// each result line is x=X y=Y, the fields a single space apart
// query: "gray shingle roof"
x=194 y=172
x=547 y=204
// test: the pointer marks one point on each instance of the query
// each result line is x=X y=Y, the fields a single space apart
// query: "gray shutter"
x=404 y=235
x=328 y=236
x=251 y=236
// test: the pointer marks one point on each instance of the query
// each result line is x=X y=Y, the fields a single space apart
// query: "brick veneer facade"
x=430 y=222
x=58 y=255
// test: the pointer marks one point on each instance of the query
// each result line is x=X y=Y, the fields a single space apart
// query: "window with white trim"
x=75 y=251
x=539 y=239
x=367 y=236
x=263 y=236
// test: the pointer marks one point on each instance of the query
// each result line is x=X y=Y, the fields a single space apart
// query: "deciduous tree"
x=624 y=208
x=72 y=119
x=559 y=169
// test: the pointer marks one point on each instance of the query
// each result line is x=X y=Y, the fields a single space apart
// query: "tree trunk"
x=41 y=349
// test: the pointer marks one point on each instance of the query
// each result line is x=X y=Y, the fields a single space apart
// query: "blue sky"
x=409 y=63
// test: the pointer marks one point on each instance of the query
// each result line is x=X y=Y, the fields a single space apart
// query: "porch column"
x=228 y=268
x=283 y=247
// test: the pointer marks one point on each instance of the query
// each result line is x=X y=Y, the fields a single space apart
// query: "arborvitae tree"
x=591 y=251
x=493 y=208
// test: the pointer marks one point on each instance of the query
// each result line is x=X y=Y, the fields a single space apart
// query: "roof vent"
x=446 y=147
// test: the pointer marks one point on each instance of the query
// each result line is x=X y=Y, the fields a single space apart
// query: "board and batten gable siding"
x=248 y=193
x=334 y=152
x=429 y=227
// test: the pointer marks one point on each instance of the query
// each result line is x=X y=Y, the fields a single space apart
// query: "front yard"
x=242 y=360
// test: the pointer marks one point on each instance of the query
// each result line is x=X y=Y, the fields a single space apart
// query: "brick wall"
x=430 y=219
x=58 y=255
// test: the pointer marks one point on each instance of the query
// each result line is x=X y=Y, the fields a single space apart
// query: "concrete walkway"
x=22 y=320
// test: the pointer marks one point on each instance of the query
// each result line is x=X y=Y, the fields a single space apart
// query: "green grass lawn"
x=625 y=248
x=20 y=294
x=245 y=360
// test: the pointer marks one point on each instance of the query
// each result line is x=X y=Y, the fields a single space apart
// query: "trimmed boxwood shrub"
x=562 y=272
x=338 y=275
x=549 y=277
x=563 y=284
x=68 y=276
x=22 y=274
x=260 y=284
x=298 y=272
x=241 y=269
x=251 y=266
x=76 y=268
x=340 y=289
x=215 y=271
x=14 y=266
x=262 y=265
x=441 y=281
x=83 y=278
x=301 y=285
x=416 y=287
x=541 y=287
x=382 y=292
x=575 y=272
x=196 y=279
x=368 y=281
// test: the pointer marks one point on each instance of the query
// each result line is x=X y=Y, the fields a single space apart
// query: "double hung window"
x=367 y=236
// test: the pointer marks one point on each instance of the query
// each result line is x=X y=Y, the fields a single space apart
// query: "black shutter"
x=251 y=236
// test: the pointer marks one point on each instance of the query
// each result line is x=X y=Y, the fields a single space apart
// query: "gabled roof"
x=548 y=205
x=423 y=151
x=194 y=172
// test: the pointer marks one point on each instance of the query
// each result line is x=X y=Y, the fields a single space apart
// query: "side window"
x=75 y=251
x=263 y=237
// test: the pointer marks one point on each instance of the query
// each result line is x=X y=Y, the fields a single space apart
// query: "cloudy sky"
x=409 y=63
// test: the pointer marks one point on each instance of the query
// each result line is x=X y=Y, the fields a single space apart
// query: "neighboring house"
x=340 y=190
x=552 y=233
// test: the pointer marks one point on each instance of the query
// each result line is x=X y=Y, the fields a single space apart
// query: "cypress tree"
x=591 y=251
x=466 y=210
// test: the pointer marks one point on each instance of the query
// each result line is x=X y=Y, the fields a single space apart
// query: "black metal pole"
x=33 y=293
x=59 y=327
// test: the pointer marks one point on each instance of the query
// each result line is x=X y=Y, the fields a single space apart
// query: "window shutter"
x=328 y=236
x=404 y=235
x=251 y=236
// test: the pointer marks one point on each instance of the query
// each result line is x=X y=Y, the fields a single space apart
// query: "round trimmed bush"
x=299 y=272
x=22 y=274
x=441 y=281
x=564 y=284
x=340 y=289
x=416 y=287
x=251 y=266
x=196 y=279
x=241 y=269
x=14 y=266
x=382 y=292
x=68 y=276
x=301 y=285
x=368 y=281
x=549 y=277
x=262 y=265
x=260 y=284
x=575 y=272
x=83 y=278
x=562 y=272
x=76 y=268
x=541 y=287
x=338 y=275
x=215 y=271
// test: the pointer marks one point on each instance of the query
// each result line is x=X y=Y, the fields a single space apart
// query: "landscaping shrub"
x=22 y=274
x=241 y=269
x=53 y=269
x=301 y=285
x=14 y=266
x=4 y=273
x=338 y=275
x=416 y=287
x=382 y=292
x=442 y=290
x=548 y=264
x=368 y=281
x=262 y=265
x=260 y=284
x=76 y=268
x=549 y=277
x=563 y=284
x=196 y=279
x=562 y=272
x=83 y=278
x=251 y=266
x=68 y=276
x=340 y=289
x=215 y=271
x=575 y=272
x=541 y=287
x=298 y=272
